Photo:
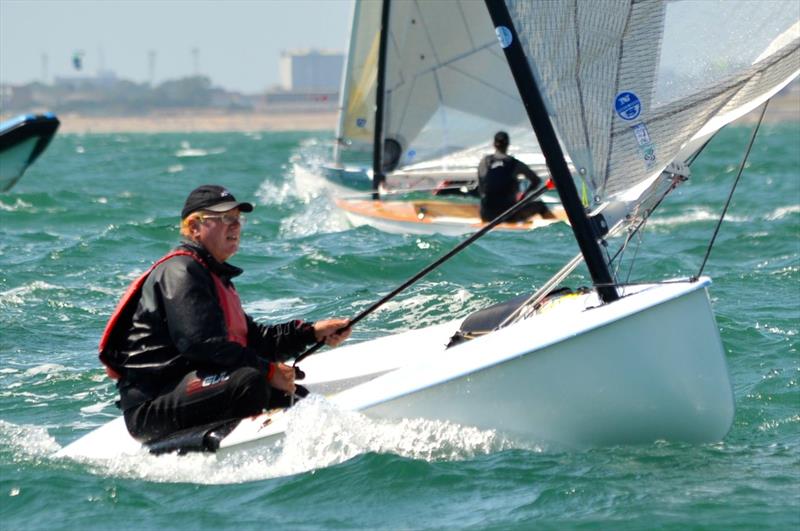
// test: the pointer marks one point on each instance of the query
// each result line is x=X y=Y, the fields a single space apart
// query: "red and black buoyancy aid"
x=235 y=320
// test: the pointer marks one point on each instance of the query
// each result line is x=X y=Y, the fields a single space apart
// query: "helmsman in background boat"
x=183 y=350
x=499 y=186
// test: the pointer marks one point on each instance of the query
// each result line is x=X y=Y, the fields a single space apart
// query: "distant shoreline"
x=783 y=108
x=196 y=121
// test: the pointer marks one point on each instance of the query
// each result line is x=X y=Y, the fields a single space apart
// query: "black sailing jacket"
x=498 y=184
x=178 y=326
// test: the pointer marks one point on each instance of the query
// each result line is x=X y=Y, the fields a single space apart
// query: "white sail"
x=448 y=87
x=356 y=128
x=628 y=86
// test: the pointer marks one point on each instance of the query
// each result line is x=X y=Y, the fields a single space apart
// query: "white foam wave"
x=273 y=307
x=782 y=212
x=775 y=330
x=693 y=216
x=275 y=193
x=429 y=308
x=18 y=205
x=188 y=151
x=346 y=434
x=27 y=440
x=319 y=435
x=320 y=216
x=96 y=408
x=19 y=294
x=307 y=183
x=46 y=369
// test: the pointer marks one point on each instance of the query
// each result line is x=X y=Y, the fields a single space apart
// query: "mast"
x=583 y=228
x=377 y=150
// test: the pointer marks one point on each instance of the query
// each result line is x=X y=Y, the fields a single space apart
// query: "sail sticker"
x=504 y=36
x=361 y=122
x=646 y=146
x=642 y=136
x=627 y=105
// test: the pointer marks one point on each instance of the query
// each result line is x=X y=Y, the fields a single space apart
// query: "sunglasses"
x=227 y=219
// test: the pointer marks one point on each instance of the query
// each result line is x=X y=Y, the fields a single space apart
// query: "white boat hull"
x=588 y=389
x=576 y=374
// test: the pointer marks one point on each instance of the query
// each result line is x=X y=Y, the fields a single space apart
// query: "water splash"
x=27 y=442
x=319 y=435
x=19 y=295
x=782 y=212
x=187 y=150
x=18 y=205
x=694 y=215
x=319 y=216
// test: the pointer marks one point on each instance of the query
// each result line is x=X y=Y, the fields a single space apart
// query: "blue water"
x=96 y=210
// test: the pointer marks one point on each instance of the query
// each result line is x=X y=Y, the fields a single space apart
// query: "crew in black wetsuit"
x=179 y=343
x=499 y=186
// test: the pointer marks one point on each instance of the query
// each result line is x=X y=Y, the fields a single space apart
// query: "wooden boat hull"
x=431 y=217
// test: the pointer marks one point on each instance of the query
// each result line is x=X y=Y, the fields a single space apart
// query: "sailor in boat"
x=499 y=186
x=179 y=344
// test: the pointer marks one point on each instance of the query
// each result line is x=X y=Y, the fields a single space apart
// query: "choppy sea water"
x=96 y=210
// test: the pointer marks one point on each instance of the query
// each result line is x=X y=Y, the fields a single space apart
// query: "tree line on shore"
x=104 y=96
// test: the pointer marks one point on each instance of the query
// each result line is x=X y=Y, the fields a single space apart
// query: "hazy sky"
x=238 y=42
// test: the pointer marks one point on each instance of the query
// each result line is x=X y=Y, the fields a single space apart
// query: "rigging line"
x=544 y=291
x=635 y=255
x=632 y=231
x=675 y=181
x=485 y=83
x=733 y=188
x=516 y=207
x=700 y=150
x=653 y=282
x=406 y=191
x=621 y=251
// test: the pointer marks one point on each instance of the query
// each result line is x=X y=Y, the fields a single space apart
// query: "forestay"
x=636 y=85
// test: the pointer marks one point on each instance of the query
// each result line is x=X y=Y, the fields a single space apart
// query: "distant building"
x=311 y=70
x=310 y=81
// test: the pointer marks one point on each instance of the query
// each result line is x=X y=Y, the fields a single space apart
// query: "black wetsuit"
x=499 y=187
x=179 y=363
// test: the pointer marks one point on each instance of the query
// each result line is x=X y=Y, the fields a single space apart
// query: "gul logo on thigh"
x=207 y=382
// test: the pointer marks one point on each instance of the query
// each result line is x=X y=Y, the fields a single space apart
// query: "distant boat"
x=22 y=140
x=431 y=90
